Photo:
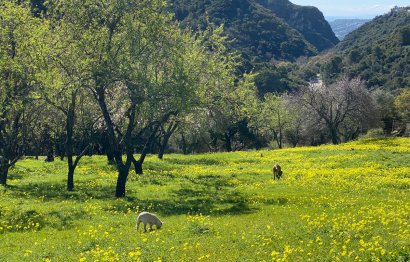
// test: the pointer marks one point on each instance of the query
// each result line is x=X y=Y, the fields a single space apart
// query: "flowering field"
x=335 y=203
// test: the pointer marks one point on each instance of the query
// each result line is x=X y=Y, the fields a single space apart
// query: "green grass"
x=347 y=202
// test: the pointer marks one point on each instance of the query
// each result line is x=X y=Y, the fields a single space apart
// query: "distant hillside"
x=378 y=52
x=255 y=31
x=308 y=20
x=342 y=27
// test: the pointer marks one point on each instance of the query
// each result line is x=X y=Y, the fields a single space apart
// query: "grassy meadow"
x=349 y=202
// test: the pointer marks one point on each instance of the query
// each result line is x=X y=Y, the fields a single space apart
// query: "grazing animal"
x=277 y=171
x=148 y=219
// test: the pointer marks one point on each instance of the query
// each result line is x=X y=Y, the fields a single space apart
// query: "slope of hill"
x=308 y=20
x=342 y=27
x=378 y=30
x=217 y=207
x=261 y=29
x=378 y=52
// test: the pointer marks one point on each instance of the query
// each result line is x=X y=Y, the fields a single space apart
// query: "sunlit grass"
x=349 y=202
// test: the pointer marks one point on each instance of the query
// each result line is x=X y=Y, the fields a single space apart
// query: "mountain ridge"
x=261 y=30
x=308 y=20
x=378 y=52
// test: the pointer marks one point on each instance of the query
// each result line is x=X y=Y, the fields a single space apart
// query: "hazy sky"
x=353 y=8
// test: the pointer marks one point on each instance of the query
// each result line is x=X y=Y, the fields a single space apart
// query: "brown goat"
x=277 y=171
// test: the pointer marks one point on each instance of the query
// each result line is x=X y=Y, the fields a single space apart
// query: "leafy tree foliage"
x=402 y=103
x=130 y=48
x=272 y=118
x=22 y=42
x=345 y=108
x=120 y=77
x=264 y=32
x=405 y=36
x=377 y=52
x=255 y=31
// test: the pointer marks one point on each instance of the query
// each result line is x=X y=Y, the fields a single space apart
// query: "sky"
x=353 y=8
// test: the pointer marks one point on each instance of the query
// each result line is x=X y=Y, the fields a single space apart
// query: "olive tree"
x=225 y=94
x=402 y=103
x=132 y=54
x=343 y=104
x=271 y=118
x=65 y=79
x=22 y=44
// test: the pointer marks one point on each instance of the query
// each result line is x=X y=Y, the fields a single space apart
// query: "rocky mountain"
x=261 y=30
x=307 y=20
x=377 y=52
x=342 y=27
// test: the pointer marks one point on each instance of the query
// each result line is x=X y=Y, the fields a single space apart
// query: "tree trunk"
x=50 y=156
x=137 y=167
x=110 y=157
x=161 y=151
x=69 y=142
x=108 y=152
x=145 y=150
x=184 y=144
x=106 y=148
x=70 y=121
x=280 y=139
x=277 y=139
x=113 y=143
x=70 y=178
x=228 y=142
x=47 y=144
x=4 y=169
x=121 y=181
x=60 y=147
x=164 y=144
x=335 y=137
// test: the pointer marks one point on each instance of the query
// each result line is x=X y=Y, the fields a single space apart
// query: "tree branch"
x=14 y=160
x=77 y=159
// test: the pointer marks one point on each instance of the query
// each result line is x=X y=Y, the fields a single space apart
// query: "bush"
x=375 y=133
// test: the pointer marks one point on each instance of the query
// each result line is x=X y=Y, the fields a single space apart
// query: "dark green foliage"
x=263 y=32
x=405 y=36
x=332 y=69
x=38 y=7
x=277 y=79
x=256 y=32
x=378 y=52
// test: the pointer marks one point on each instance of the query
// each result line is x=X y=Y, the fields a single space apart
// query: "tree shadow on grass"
x=62 y=219
x=185 y=201
x=204 y=194
x=52 y=192
x=195 y=161
x=212 y=181
x=21 y=220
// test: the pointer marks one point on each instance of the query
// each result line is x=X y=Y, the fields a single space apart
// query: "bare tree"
x=346 y=105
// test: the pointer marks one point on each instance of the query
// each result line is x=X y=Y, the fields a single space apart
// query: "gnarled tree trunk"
x=167 y=135
x=70 y=178
x=121 y=181
x=114 y=143
x=4 y=169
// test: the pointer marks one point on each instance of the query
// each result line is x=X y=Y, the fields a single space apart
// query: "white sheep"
x=150 y=219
